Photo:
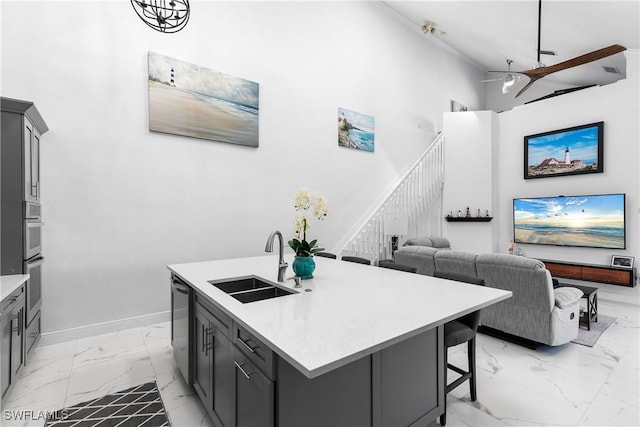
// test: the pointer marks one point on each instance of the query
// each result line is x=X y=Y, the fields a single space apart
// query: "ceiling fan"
x=508 y=81
x=541 y=70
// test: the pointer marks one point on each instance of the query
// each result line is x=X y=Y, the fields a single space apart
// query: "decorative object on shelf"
x=161 y=15
x=459 y=213
x=487 y=214
x=468 y=215
x=306 y=204
x=622 y=261
x=519 y=251
x=189 y=100
x=356 y=130
x=512 y=248
x=571 y=151
x=395 y=227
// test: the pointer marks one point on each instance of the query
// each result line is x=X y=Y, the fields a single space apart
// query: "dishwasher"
x=180 y=303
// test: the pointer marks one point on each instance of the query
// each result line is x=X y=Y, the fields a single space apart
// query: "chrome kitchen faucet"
x=282 y=266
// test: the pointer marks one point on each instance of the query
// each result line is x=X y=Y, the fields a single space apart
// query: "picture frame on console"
x=570 y=151
x=622 y=261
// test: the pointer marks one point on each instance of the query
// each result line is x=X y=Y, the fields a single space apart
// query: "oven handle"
x=36 y=262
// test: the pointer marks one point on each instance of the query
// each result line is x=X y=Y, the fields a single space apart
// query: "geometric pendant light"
x=166 y=16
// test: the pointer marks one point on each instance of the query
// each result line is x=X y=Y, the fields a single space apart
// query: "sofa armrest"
x=566 y=296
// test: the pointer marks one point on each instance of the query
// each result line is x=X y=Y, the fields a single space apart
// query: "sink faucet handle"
x=297 y=280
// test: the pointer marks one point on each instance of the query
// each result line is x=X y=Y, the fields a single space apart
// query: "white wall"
x=618 y=106
x=470 y=140
x=121 y=203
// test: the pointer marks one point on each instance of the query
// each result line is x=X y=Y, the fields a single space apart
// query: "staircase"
x=409 y=201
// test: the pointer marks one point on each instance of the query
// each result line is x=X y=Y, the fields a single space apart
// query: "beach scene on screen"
x=589 y=221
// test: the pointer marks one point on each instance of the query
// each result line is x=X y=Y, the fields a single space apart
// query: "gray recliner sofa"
x=536 y=311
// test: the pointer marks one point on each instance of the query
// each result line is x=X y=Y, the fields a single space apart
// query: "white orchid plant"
x=307 y=204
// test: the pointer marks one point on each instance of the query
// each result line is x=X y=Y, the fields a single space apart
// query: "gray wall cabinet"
x=21 y=226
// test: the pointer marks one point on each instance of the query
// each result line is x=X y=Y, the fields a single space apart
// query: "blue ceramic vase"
x=304 y=266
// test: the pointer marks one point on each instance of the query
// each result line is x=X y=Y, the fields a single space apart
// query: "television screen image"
x=595 y=221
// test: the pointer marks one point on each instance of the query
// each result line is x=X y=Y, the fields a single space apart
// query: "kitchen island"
x=355 y=345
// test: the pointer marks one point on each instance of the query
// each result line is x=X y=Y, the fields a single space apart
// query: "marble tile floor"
x=569 y=385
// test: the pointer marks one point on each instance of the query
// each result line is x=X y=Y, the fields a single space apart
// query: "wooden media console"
x=592 y=272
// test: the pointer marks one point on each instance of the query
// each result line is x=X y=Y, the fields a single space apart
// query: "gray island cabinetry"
x=355 y=346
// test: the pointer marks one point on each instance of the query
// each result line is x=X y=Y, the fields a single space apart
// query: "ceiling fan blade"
x=506 y=71
x=578 y=60
x=538 y=73
x=533 y=79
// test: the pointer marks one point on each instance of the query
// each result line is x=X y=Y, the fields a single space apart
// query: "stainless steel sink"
x=260 y=294
x=250 y=289
x=240 y=285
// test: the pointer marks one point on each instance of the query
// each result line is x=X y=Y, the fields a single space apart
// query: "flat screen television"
x=595 y=221
x=571 y=151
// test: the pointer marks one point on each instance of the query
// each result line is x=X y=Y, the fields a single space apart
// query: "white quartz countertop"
x=10 y=283
x=345 y=312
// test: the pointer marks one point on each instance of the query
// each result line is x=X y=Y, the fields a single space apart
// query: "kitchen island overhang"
x=346 y=312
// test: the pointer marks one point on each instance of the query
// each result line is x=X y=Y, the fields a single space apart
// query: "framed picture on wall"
x=356 y=130
x=622 y=261
x=571 y=151
x=457 y=106
x=190 y=100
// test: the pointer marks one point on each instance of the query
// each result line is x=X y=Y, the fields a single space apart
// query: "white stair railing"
x=410 y=199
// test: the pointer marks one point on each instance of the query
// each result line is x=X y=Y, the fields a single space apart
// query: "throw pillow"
x=567 y=296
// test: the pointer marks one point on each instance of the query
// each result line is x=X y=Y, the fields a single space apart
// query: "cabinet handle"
x=242 y=370
x=209 y=344
x=243 y=342
x=204 y=338
x=18 y=327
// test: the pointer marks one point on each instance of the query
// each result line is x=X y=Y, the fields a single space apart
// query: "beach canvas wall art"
x=190 y=100
x=355 y=130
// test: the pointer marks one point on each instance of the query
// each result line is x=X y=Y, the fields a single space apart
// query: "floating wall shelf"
x=468 y=218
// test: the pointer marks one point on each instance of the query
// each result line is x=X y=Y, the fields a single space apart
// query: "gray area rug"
x=139 y=406
x=589 y=338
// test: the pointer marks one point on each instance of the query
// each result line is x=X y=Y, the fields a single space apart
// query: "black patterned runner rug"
x=139 y=406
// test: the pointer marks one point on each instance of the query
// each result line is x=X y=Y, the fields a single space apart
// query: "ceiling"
x=487 y=33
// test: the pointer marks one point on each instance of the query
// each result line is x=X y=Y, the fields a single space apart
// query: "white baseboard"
x=55 y=337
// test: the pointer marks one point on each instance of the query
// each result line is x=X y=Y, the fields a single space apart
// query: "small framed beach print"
x=622 y=261
x=356 y=130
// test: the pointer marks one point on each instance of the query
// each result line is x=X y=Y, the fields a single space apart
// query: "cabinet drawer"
x=9 y=302
x=221 y=321
x=255 y=350
x=563 y=270
x=606 y=276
